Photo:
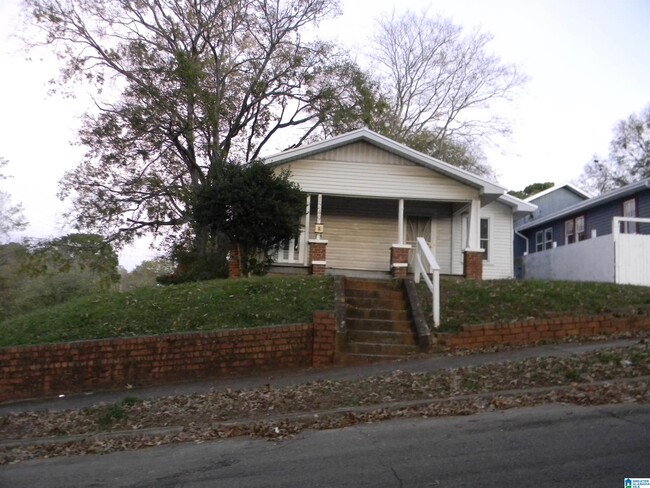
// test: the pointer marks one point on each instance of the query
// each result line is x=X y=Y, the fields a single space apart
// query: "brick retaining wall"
x=51 y=369
x=532 y=331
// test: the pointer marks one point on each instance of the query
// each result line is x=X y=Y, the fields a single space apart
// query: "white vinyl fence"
x=613 y=258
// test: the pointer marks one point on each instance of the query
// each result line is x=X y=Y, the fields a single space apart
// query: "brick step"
x=391 y=304
x=361 y=284
x=373 y=348
x=378 y=325
x=406 y=338
x=376 y=294
x=376 y=314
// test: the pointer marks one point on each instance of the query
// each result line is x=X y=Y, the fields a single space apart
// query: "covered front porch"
x=361 y=235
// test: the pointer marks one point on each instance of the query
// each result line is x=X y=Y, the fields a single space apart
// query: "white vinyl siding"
x=359 y=232
x=361 y=169
x=500 y=259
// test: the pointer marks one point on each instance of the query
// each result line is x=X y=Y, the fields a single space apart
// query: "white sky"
x=588 y=63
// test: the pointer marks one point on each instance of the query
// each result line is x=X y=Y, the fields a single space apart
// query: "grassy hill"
x=206 y=305
x=223 y=304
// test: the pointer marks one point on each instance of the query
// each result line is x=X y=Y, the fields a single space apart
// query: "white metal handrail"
x=423 y=254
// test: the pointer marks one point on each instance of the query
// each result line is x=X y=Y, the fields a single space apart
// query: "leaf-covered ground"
x=592 y=378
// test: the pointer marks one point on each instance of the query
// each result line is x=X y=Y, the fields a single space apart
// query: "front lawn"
x=202 y=306
x=472 y=302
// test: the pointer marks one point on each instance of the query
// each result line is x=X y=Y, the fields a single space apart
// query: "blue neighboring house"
x=549 y=201
x=587 y=218
x=604 y=238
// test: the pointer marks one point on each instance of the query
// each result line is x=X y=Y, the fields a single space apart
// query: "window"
x=569 y=235
x=574 y=230
x=485 y=238
x=543 y=239
x=580 y=228
x=629 y=210
x=548 y=238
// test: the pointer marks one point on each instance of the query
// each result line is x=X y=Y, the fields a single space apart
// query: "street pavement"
x=544 y=446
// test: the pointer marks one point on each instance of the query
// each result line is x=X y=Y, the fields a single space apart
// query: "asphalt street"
x=551 y=445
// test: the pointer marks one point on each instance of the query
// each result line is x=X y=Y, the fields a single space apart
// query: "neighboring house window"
x=485 y=238
x=580 y=228
x=548 y=238
x=569 y=233
x=629 y=210
x=543 y=239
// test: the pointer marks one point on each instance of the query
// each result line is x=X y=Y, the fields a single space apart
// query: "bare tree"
x=629 y=156
x=183 y=87
x=442 y=81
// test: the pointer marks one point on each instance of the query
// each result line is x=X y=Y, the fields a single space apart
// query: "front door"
x=419 y=226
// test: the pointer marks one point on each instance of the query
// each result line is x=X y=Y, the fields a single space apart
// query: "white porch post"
x=474 y=230
x=400 y=222
x=399 y=252
x=473 y=254
x=306 y=231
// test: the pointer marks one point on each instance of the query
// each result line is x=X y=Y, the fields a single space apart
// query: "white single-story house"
x=370 y=197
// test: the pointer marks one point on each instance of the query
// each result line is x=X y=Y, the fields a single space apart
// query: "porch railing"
x=425 y=263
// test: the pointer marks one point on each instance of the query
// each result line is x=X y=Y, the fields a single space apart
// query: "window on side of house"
x=548 y=238
x=629 y=210
x=569 y=234
x=485 y=238
x=580 y=228
x=539 y=241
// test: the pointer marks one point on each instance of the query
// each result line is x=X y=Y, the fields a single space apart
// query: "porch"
x=375 y=237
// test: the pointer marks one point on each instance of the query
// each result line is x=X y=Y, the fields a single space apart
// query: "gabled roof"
x=519 y=207
x=486 y=187
x=581 y=193
x=590 y=203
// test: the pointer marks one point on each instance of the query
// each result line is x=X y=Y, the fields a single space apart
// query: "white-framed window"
x=544 y=239
x=569 y=232
x=290 y=251
x=539 y=241
x=548 y=238
x=485 y=238
x=574 y=230
x=629 y=210
x=580 y=229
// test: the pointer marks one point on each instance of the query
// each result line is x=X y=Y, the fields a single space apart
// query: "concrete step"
x=376 y=314
x=391 y=304
x=373 y=348
x=378 y=325
x=406 y=338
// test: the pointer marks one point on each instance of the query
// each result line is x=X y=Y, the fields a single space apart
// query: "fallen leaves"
x=601 y=377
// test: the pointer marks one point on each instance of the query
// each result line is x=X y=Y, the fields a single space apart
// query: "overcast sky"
x=588 y=63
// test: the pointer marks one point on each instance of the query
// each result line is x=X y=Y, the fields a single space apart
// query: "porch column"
x=473 y=254
x=318 y=246
x=399 y=253
x=234 y=262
